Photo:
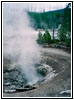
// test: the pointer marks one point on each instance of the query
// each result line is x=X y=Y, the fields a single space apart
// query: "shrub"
x=46 y=38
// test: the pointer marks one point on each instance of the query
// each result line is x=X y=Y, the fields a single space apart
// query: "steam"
x=19 y=44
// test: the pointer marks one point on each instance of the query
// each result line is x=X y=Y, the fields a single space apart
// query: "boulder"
x=9 y=91
x=26 y=88
x=44 y=69
x=66 y=92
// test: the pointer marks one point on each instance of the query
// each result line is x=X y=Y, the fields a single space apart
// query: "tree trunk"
x=53 y=33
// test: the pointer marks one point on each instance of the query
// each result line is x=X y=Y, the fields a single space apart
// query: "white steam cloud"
x=19 y=43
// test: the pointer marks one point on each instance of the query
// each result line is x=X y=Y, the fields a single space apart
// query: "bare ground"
x=61 y=62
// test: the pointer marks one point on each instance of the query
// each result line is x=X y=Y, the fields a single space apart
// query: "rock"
x=61 y=46
x=45 y=45
x=30 y=87
x=26 y=88
x=53 y=45
x=22 y=89
x=9 y=91
x=66 y=92
x=44 y=69
x=13 y=87
x=7 y=84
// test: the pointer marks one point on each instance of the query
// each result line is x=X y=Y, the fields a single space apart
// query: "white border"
x=2 y=51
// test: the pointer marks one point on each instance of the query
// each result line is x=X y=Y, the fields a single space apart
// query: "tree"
x=53 y=21
x=39 y=40
x=46 y=38
x=65 y=29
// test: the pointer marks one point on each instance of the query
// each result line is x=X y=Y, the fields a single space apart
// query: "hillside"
x=43 y=20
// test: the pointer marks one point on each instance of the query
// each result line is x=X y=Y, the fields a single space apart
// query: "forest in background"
x=57 y=19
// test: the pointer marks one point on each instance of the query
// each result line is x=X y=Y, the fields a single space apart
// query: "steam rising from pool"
x=19 y=44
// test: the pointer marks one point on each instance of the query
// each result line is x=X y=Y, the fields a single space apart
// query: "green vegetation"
x=64 y=33
x=52 y=20
x=46 y=20
x=45 y=38
x=39 y=40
